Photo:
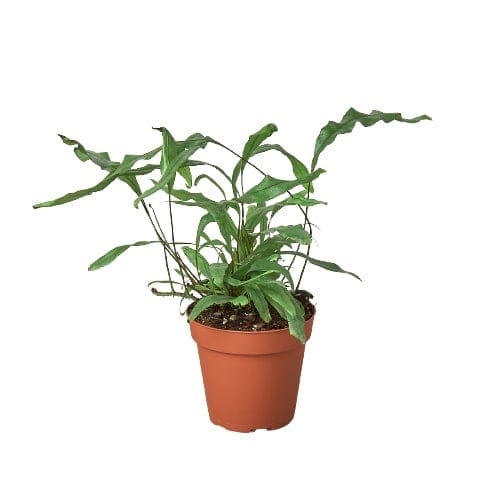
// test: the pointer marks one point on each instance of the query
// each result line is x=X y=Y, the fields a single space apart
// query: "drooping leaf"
x=288 y=308
x=211 y=180
x=83 y=154
x=296 y=323
x=128 y=162
x=259 y=301
x=206 y=302
x=110 y=256
x=333 y=129
x=253 y=142
x=321 y=263
x=278 y=294
x=299 y=169
x=270 y=187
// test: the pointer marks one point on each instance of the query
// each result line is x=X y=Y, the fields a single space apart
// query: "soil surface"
x=246 y=318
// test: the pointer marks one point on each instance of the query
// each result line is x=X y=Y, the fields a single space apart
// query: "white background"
x=100 y=391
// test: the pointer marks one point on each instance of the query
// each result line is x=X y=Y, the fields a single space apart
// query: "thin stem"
x=179 y=261
x=308 y=251
x=165 y=253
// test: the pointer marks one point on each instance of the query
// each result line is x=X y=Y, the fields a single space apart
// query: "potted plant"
x=246 y=310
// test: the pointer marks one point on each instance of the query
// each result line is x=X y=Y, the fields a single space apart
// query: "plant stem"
x=179 y=261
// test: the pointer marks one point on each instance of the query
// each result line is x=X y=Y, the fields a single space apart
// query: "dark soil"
x=246 y=318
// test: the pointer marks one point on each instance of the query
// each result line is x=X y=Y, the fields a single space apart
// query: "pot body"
x=251 y=379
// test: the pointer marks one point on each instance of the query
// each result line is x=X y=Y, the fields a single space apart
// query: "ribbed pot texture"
x=251 y=379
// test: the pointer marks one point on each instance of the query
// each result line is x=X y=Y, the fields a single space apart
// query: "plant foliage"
x=239 y=256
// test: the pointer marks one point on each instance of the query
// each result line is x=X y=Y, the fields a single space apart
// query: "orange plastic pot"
x=251 y=379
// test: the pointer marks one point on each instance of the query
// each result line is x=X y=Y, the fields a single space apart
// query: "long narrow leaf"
x=259 y=301
x=270 y=187
x=333 y=129
x=110 y=256
x=168 y=176
x=321 y=263
x=299 y=169
x=128 y=162
x=253 y=142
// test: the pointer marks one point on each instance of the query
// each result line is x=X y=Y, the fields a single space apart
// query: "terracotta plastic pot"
x=251 y=379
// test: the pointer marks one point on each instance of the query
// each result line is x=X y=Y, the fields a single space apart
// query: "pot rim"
x=249 y=332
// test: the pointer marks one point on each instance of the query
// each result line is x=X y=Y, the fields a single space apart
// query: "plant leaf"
x=241 y=300
x=299 y=169
x=332 y=129
x=168 y=176
x=278 y=294
x=288 y=308
x=295 y=233
x=127 y=163
x=206 y=302
x=100 y=159
x=256 y=214
x=267 y=265
x=213 y=181
x=110 y=256
x=259 y=301
x=218 y=271
x=248 y=151
x=270 y=187
x=198 y=261
x=296 y=323
x=321 y=263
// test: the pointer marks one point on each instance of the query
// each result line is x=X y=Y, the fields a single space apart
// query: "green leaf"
x=198 y=261
x=299 y=169
x=322 y=263
x=213 y=181
x=288 y=308
x=110 y=256
x=185 y=172
x=100 y=159
x=127 y=163
x=259 y=301
x=296 y=323
x=266 y=265
x=279 y=297
x=241 y=300
x=270 y=187
x=256 y=214
x=332 y=129
x=295 y=233
x=206 y=302
x=271 y=247
x=251 y=145
x=168 y=176
x=218 y=271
